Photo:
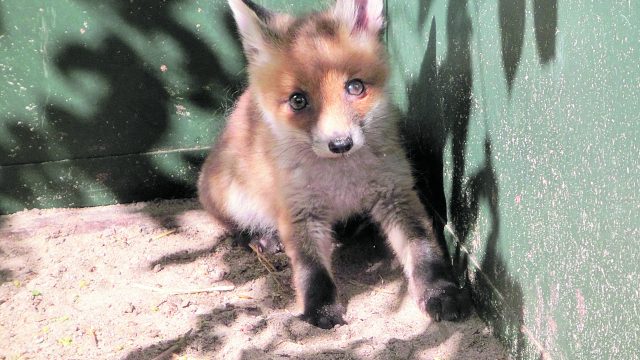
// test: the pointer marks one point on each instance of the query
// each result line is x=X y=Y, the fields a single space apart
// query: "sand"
x=155 y=281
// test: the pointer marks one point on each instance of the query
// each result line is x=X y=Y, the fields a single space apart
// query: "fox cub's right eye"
x=298 y=101
x=355 y=87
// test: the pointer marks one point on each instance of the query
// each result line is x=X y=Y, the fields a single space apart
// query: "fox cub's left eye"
x=298 y=101
x=355 y=87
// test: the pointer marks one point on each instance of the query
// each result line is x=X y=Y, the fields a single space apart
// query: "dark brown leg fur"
x=308 y=245
x=410 y=233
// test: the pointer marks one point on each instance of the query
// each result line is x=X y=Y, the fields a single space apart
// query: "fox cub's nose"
x=341 y=145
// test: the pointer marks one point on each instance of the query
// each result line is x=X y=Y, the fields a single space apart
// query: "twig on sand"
x=92 y=331
x=263 y=259
x=167 y=354
x=267 y=264
x=185 y=292
x=164 y=234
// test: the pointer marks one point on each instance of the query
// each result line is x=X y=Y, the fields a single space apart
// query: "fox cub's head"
x=320 y=80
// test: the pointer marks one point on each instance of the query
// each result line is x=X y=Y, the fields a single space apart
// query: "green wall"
x=110 y=101
x=528 y=115
x=522 y=123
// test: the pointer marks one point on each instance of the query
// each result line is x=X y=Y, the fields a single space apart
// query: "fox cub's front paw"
x=326 y=317
x=446 y=302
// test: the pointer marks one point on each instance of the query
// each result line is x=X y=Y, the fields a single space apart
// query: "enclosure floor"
x=149 y=280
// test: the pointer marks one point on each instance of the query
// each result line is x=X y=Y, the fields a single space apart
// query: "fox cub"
x=314 y=140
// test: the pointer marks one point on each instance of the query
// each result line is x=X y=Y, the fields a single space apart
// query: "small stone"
x=129 y=308
x=170 y=308
x=217 y=274
x=158 y=268
x=185 y=303
x=253 y=326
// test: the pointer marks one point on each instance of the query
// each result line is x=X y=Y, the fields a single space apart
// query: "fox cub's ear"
x=361 y=15
x=252 y=21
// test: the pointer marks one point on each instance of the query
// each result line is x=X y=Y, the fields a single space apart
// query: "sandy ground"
x=149 y=281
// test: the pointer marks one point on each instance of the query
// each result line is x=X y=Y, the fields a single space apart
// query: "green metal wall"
x=528 y=115
x=522 y=123
x=110 y=101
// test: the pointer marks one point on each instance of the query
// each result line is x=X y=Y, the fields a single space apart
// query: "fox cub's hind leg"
x=263 y=241
x=410 y=233
x=267 y=242
x=308 y=242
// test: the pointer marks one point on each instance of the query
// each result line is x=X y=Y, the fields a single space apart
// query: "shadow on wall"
x=201 y=64
x=512 y=19
x=498 y=296
x=511 y=15
x=440 y=109
x=131 y=118
x=545 y=20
